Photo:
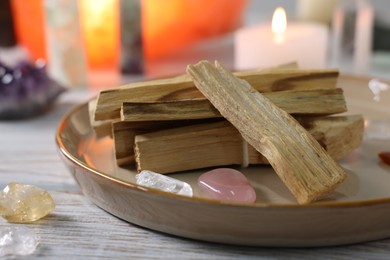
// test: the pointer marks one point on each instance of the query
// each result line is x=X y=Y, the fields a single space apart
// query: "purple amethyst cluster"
x=26 y=90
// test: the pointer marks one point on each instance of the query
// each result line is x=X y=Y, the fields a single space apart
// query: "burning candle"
x=273 y=44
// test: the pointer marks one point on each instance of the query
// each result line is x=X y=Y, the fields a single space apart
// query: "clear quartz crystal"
x=164 y=183
x=24 y=203
x=17 y=241
x=376 y=86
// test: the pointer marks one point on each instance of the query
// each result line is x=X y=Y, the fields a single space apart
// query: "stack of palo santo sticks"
x=210 y=117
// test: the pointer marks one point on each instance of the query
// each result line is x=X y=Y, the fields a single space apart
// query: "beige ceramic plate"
x=359 y=212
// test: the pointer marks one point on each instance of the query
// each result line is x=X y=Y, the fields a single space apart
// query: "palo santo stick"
x=124 y=148
x=101 y=128
x=217 y=144
x=338 y=135
x=307 y=102
x=123 y=137
x=299 y=160
x=124 y=134
x=191 y=147
x=290 y=65
x=168 y=110
x=104 y=127
x=110 y=101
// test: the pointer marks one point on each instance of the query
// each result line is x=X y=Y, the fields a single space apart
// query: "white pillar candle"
x=260 y=46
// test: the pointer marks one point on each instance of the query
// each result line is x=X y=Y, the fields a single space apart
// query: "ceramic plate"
x=359 y=211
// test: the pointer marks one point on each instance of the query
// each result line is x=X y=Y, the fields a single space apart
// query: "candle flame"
x=279 y=24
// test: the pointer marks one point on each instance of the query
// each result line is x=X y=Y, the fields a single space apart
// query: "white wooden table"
x=77 y=229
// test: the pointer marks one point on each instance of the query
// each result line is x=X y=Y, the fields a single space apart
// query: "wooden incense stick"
x=219 y=143
x=298 y=159
x=309 y=102
x=177 y=88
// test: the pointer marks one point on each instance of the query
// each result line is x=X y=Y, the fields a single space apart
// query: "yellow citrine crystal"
x=24 y=203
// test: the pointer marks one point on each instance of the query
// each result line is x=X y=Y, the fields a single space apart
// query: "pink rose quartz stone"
x=226 y=185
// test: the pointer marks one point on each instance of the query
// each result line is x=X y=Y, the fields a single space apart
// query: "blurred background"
x=105 y=43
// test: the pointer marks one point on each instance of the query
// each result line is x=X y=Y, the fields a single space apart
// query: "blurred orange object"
x=100 y=28
x=171 y=24
x=166 y=26
x=28 y=17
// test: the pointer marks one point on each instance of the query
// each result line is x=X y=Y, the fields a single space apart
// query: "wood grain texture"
x=177 y=88
x=123 y=136
x=170 y=110
x=78 y=229
x=193 y=147
x=298 y=159
x=298 y=102
x=220 y=144
x=124 y=133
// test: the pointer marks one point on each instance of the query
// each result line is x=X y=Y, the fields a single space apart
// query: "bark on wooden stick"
x=299 y=160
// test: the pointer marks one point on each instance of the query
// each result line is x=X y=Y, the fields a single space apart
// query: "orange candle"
x=28 y=17
x=171 y=24
x=100 y=28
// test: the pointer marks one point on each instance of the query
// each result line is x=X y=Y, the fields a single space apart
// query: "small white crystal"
x=164 y=183
x=377 y=87
x=17 y=241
